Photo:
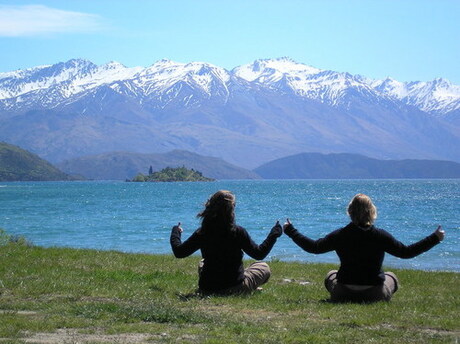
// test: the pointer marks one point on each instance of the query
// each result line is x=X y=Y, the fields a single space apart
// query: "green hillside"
x=17 y=164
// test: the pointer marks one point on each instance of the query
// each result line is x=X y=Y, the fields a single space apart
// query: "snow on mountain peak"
x=201 y=69
x=305 y=81
x=165 y=80
x=113 y=65
x=20 y=73
x=441 y=83
x=439 y=95
x=163 y=63
x=436 y=96
x=77 y=63
x=164 y=74
x=105 y=74
x=268 y=67
x=390 y=87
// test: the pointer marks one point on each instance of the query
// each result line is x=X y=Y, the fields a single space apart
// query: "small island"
x=170 y=174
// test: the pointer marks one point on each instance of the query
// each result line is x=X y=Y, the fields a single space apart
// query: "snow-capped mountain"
x=52 y=86
x=437 y=97
x=254 y=113
x=167 y=81
x=304 y=81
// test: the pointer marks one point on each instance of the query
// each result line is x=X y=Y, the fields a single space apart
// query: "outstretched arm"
x=260 y=251
x=313 y=246
x=185 y=249
x=398 y=249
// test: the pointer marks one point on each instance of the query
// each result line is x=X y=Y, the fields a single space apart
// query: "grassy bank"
x=59 y=295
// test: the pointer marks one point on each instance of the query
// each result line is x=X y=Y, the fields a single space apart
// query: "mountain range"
x=17 y=164
x=125 y=165
x=248 y=116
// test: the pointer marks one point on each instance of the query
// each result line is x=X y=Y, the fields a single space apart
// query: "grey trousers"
x=357 y=293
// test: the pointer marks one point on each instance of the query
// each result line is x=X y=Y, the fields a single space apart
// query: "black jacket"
x=222 y=251
x=361 y=251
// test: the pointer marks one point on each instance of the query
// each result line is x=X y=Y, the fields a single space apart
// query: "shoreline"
x=197 y=255
x=270 y=258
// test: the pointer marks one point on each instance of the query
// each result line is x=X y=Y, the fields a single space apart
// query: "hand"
x=439 y=233
x=288 y=228
x=277 y=230
x=179 y=228
x=287 y=224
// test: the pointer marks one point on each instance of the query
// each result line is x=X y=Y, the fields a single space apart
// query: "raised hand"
x=440 y=233
x=178 y=227
x=287 y=223
x=287 y=227
x=277 y=229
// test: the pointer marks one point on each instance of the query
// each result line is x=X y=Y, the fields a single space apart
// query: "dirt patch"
x=7 y=311
x=69 y=336
x=454 y=333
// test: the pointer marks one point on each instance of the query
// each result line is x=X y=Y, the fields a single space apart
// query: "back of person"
x=222 y=244
x=361 y=248
x=361 y=254
x=222 y=255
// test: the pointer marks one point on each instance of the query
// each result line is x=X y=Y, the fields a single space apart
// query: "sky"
x=408 y=40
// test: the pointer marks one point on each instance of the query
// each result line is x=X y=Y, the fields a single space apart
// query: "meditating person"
x=361 y=249
x=222 y=243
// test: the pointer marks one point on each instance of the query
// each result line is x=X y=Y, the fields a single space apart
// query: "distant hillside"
x=124 y=165
x=350 y=166
x=17 y=164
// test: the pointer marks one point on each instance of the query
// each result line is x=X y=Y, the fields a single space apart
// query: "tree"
x=139 y=178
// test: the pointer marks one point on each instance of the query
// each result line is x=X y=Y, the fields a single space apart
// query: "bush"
x=6 y=239
x=139 y=178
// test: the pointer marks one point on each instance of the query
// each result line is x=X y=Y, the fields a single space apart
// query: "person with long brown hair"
x=361 y=248
x=222 y=243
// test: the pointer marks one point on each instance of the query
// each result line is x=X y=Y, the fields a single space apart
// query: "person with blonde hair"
x=222 y=243
x=361 y=248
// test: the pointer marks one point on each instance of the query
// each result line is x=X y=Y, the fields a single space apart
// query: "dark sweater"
x=222 y=251
x=361 y=251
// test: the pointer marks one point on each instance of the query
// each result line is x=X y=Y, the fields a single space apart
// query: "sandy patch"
x=7 y=311
x=70 y=336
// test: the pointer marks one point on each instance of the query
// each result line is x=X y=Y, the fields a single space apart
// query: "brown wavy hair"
x=362 y=211
x=219 y=211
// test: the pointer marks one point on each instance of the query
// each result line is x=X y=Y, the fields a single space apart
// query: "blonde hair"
x=362 y=211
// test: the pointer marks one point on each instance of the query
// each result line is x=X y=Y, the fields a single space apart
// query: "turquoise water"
x=137 y=217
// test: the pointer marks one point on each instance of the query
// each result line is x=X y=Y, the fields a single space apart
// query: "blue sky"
x=409 y=40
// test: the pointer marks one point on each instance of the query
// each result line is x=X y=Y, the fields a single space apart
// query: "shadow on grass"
x=128 y=313
x=191 y=296
x=197 y=294
x=356 y=302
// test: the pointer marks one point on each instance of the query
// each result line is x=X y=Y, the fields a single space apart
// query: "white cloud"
x=36 y=20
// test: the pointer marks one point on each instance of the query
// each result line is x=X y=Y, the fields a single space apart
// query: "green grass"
x=86 y=296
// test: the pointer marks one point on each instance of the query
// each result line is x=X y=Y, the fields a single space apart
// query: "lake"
x=137 y=217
